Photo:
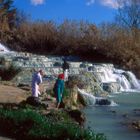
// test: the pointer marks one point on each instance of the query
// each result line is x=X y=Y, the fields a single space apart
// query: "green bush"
x=66 y=92
x=28 y=124
x=9 y=73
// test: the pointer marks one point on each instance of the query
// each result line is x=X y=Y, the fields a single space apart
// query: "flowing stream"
x=114 y=121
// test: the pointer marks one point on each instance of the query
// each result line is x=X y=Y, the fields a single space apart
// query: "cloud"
x=37 y=2
x=110 y=3
x=90 y=2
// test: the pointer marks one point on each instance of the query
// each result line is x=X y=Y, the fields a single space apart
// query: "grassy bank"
x=28 y=124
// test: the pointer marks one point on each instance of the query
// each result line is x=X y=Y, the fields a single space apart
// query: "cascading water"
x=107 y=74
x=133 y=80
x=125 y=85
x=110 y=120
x=3 y=49
x=91 y=100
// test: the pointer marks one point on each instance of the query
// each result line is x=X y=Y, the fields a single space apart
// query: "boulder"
x=102 y=102
x=77 y=115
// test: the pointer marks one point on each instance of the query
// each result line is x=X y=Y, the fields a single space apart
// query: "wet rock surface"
x=78 y=116
x=102 y=102
x=136 y=125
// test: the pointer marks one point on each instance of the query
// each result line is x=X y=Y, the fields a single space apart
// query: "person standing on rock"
x=36 y=81
x=59 y=89
x=65 y=68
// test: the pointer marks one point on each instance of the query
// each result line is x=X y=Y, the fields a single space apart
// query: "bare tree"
x=129 y=13
x=129 y=17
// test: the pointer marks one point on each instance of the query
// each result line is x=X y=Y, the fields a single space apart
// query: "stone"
x=77 y=115
x=102 y=102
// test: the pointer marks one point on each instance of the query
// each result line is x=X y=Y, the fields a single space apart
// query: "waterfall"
x=109 y=76
x=133 y=80
x=89 y=98
x=3 y=49
x=106 y=74
x=124 y=83
x=127 y=80
x=92 y=100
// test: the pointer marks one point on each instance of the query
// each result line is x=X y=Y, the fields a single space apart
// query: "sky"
x=94 y=11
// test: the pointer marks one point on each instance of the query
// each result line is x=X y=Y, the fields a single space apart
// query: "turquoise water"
x=114 y=121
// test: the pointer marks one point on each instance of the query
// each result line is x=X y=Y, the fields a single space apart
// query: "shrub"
x=28 y=124
x=9 y=73
x=66 y=92
x=75 y=80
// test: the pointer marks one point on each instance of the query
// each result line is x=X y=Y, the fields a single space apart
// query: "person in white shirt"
x=36 y=90
x=36 y=81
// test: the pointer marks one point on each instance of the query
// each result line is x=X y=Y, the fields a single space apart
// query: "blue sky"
x=95 y=11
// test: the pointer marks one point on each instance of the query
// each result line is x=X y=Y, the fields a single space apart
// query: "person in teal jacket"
x=58 y=89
